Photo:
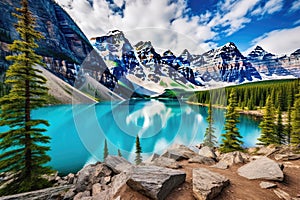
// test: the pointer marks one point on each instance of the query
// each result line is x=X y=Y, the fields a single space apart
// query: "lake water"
x=78 y=131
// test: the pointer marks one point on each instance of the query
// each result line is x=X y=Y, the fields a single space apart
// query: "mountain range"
x=111 y=67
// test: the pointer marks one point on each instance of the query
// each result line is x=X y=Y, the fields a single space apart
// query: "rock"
x=96 y=189
x=287 y=157
x=70 y=194
x=90 y=175
x=117 y=164
x=70 y=178
x=207 y=152
x=207 y=184
x=267 y=185
x=252 y=150
x=262 y=168
x=235 y=157
x=104 y=195
x=86 y=195
x=166 y=162
x=267 y=151
x=282 y=194
x=155 y=182
x=118 y=182
x=178 y=152
x=221 y=165
x=152 y=158
x=202 y=160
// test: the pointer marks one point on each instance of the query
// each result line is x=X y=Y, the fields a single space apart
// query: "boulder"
x=152 y=158
x=90 y=175
x=96 y=189
x=118 y=164
x=207 y=184
x=235 y=157
x=221 y=165
x=202 y=160
x=267 y=185
x=262 y=168
x=166 y=162
x=86 y=195
x=287 y=157
x=207 y=152
x=267 y=150
x=155 y=182
x=178 y=152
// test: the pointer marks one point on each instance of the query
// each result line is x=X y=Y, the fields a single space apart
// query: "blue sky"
x=197 y=25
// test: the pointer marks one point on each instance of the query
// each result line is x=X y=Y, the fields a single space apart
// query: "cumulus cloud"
x=295 y=6
x=287 y=41
x=269 y=7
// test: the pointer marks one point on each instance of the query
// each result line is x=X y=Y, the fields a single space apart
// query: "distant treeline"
x=252 y=96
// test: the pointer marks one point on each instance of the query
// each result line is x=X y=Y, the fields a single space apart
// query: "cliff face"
x=64 y=45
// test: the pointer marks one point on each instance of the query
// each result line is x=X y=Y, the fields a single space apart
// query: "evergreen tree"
x=231 y=141
x=280 y=128
x=138 y=151
x=105 y=150
x=209 y=137
x=119 y=153
x=288 y=129
x=23 y=147
x=267 y=125
x=295 y=136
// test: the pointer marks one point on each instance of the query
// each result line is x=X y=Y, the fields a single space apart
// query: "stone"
x=96 y=189
x=83 y=195
x=287 y=157
x=207 y=185
x=90 y=175
x=119 y=181
x=152 y=158
x=155 y=182
x=207 y=152
x=221 y=165
x=235 y=157
x=70 y=178
x=268 y=150
x=282 y=194
x=262 y=168
x=118 y=164
x=178 y=152
x=267 y=185
x=104 y=195
x=202 y=160
x=69 y=194
x=166 y=162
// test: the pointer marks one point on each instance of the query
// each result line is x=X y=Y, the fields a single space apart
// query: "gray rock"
x=286 y=157
x=155 y=182
x=235 y=157
x=221 y=165
x=96 y=189
x=86 y=195
x=119 y=181
x=207 y=152
x=104 y=195
x=69 y=194
x=262 y=168
x=166 y=162
x=152 y=158
x=202 y=160
x=282 y=194
x=70 y=178
x=118 y=164
x=207 y=184
x=178 y=152
x=267 y=185
x=90 y=175
x=267 y=151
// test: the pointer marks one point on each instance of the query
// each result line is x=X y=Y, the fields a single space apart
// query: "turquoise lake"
x=78 y=131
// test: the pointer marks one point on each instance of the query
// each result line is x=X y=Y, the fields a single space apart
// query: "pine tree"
x=138 y=151
x=119 y=153
x=23 y=147
x=209 y=137
x=267 y=125
x=288 y=129
x=295 y=136
x=280 y=128
x=231 y=141
x=105 y=150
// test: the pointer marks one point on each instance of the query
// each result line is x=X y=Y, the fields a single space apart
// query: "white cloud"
x=270 y=7
x=286 y=41
x=297 y=22
x=295 y=6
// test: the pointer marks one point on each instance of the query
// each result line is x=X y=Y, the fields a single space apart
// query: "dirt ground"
x=240 y=188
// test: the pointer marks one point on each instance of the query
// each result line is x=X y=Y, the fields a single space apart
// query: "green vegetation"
x=105 y=150
x=138 y=151
x=295 y=136
x=231 y=138
x=279 y=128
x=23 y=147
x=161 y=83
x=119 y=153
x=288 y=129
x=252 y=96
x=209 y=137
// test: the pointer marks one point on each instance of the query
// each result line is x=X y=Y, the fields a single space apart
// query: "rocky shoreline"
x=181 y=173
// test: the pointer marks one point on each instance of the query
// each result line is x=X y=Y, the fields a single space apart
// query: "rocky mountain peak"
x=259 y=54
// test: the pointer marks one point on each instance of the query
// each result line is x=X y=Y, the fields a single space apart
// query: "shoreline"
x=256 y=113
